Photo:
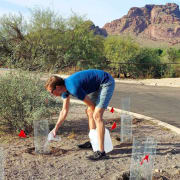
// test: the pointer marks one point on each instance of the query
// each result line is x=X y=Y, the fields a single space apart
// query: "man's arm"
x=89 y=103
x=63 y=113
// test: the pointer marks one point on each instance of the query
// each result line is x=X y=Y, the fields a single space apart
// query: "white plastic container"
x=52 y=138
x=94 y=140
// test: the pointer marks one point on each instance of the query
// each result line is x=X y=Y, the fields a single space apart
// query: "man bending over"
x=95 y=88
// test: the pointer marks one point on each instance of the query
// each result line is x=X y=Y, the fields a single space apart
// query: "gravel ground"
x=67 y=162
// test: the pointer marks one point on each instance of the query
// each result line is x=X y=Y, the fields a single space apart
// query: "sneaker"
x=98 y=156
x=86 y=145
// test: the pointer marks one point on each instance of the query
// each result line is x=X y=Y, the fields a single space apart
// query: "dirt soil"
x=67 y=162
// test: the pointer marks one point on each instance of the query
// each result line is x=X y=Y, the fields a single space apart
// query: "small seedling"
x=41 y=131
x=126 y=128
x=142 y=160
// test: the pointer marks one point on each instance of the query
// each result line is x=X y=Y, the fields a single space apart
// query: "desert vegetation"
x=24 y=99
x=47 y=42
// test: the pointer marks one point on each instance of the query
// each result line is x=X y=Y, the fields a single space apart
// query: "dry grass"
x=72 y=135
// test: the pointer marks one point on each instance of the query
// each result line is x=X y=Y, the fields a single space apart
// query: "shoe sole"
x=84 y=147
x=104 y=158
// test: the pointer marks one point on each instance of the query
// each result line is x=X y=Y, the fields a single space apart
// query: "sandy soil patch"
x=67 y=162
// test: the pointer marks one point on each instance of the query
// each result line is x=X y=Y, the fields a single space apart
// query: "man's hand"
x=54 y=132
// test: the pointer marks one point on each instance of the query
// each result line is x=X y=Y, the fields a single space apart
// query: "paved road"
x=162 y=103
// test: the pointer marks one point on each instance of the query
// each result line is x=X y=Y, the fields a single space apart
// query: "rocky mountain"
x=156 y=22
x=98 y=31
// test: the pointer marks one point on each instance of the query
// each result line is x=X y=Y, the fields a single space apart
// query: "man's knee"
x=97 y=115
x=89 y=112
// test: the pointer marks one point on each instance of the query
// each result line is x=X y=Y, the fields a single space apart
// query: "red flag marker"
x=22 y=134
x=112 y=109
x=145 y=158
x=113 y=126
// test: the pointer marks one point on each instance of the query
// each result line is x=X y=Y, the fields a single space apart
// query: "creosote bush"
x=23 y=99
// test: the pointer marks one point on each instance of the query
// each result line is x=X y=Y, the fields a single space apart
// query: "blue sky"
x=99 y=11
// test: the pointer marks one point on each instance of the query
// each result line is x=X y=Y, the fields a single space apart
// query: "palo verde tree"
x=83 y=48
x=12 y=36
x=46 y=32
x=120 y=51
x=48 y=42
x=147 y=64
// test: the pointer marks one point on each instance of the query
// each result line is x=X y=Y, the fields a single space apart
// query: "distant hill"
x=159 y=23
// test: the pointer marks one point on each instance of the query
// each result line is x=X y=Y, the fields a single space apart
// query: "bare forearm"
x=62 y=117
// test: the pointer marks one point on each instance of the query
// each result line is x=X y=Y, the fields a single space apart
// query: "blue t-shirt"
x=85 y=82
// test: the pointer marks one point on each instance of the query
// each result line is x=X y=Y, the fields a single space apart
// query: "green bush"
x=120 y=51
x=147 y=64
x=48 y=42
x=23 y=99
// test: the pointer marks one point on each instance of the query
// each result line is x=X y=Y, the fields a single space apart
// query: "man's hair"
x=54 y=81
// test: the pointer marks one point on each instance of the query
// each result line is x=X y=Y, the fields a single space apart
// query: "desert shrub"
x=23 y=99
x=119 y=51
x=48 y=42
x=147 y=64
x=170 y=57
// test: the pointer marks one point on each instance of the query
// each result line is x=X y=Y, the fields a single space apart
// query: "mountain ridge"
x=155 y=22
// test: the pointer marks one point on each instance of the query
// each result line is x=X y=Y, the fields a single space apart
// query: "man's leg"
x=92 y=125
x=98 y=117
x=104 y=96
x=93 y=97
x=91 y=121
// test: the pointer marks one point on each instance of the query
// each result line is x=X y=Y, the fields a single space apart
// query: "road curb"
x=153 y=120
